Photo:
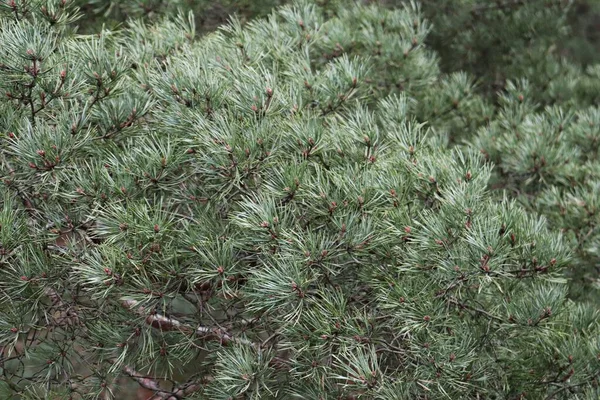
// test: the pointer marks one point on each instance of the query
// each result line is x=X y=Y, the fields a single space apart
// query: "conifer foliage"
x=273 y=211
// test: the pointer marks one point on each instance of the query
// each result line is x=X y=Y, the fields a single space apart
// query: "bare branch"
x=165 y=323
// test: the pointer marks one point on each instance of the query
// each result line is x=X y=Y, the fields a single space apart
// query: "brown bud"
x=156 y=228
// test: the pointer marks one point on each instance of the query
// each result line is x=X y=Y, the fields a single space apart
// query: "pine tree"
x=282 y=209
x=548 y=158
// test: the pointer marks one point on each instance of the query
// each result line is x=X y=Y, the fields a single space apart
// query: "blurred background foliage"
x=483 y=23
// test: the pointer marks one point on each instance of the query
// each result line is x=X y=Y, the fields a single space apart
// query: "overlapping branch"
x=165 y=323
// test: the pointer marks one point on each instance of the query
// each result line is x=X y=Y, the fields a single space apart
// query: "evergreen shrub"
x=297 y=207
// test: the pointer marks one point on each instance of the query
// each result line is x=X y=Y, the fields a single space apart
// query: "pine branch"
x=150 y=384
x=571 y=387
x=165 y=323
x=459 y=304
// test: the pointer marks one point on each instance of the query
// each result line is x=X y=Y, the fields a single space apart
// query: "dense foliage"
x=303 y=206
